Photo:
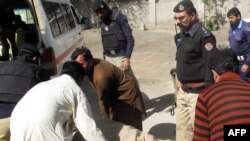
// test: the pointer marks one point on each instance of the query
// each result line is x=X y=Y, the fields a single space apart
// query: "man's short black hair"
x=223 y=60
x=73 y=69
x=233 y=12
x=82 y=50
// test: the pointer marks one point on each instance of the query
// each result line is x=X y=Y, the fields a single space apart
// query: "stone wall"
x=136 y=11
x=160 y=12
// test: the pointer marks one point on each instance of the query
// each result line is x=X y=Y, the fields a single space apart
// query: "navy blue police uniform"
x=17 y=77
x=239 y=39
x=116 y=33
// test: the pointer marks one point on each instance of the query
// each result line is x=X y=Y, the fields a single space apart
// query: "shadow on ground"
x=169 y=129
x=158 y=104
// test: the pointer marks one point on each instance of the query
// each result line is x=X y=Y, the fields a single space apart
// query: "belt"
x=114 y=51
x=193 y=85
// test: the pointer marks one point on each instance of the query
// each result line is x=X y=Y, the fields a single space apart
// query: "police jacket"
x=117 y=35
x=239 y=39
x=193 y=48
x=17 y=77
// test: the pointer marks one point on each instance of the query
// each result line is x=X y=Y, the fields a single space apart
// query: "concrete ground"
x=152 y=59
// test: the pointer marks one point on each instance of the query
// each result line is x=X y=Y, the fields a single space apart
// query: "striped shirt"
x=226 y=102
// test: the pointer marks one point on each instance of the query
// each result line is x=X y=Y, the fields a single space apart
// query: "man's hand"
x=178 y=86
x=244 y=68
x=125 y=64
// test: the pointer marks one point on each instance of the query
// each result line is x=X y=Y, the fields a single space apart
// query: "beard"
x=181 y=26
x=234 y=25
x=184 y=27
x=107 y=19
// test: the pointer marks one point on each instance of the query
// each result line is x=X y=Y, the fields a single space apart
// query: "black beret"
x=29 y=49
x=184 y=5
x=233 y=11
x=99 y=4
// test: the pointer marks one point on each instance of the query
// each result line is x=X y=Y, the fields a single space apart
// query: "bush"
x=209 y=24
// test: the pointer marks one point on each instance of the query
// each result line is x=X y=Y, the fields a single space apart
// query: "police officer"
x=17 y=77
x=194 y=43
x=9 y=24
x=117 y=38
x=239 y=39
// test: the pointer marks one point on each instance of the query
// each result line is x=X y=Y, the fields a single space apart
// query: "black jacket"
x=17 y=77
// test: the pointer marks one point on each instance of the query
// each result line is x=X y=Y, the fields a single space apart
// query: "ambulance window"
x=69 y=16
x=25 y=14
x=76 y=14
x=56 y=18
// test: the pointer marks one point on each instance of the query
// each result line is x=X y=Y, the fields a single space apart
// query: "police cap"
x=233 y=11
x=29 y=49
x=99 y=5
x=184 y=5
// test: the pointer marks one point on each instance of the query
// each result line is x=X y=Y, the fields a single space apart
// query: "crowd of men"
x=212 y=82
x=213 y=87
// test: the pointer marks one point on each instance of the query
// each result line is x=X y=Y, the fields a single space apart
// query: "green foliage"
x=206 y=2
x=209 y=24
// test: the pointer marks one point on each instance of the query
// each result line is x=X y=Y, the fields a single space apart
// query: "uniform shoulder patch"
x=209 y=46
x=206 y=33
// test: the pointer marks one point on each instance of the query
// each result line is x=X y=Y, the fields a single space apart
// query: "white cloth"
x=49 y=111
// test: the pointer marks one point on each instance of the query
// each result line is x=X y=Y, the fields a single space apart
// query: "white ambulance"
x=57 y=27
